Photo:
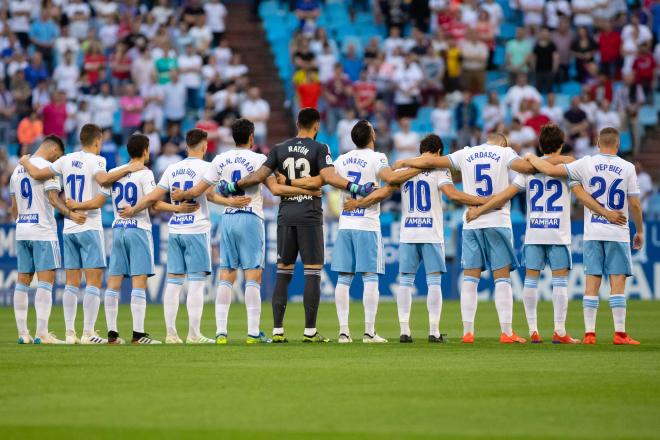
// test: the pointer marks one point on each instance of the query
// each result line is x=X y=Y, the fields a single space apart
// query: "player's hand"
x=239 y=201
x=361 y=190
x=399 y=164
x=72 y=204
x=484 y=200
x=616 y=217
x=24 y=159
x=472 y=214
x=280 y=178
x=187 y=208
x=77 y=217
x=351 y=205
x=126 y=212
x=134 y=167
x=176 y=194
x=529 y=156
x=226 y=188
x=638 y=241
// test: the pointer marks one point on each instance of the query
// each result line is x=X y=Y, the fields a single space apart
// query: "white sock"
x=91 y=303
x=253 y=307
x=530 y=300
x=618 y=306
x=469 y=303
x=111 y=306
x=560 y=303
x=222 y=303
x=171 y=303
x=138 y=309
x=280 y=331
x=590 y=307
x=370 y=302
x=404 y=301
x=342 y=301
x=43 y=303
x=70 y=306
x=195 y=304
x=434 y=303
x=307 y=332
x=21 y=307
x=504 y=304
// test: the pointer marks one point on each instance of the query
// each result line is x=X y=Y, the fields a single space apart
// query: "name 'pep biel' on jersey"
x=485 y=170
x=548 y=209
x=36 y=219
x=610 y=180
x=78 y=171
x=184 y=175
x=421 y=207
x=360 y=166
x=128 y=191
x=232 y=166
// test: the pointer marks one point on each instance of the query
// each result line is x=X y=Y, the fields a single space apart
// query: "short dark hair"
x=608 y=136
x=431 y=144
x=137 y=144
x=195 y=136
x=361 y=133
x=52 y=139
x=241 y=129
x=89 y=133
x=308 y=117
x=551 y=138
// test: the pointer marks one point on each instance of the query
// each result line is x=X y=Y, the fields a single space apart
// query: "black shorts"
x=305 y=240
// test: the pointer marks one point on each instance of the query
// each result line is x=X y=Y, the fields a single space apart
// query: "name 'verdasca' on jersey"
x=421 y=207
x=296 y=158
x=36 y=219
x=184 y=175
x=128 y=191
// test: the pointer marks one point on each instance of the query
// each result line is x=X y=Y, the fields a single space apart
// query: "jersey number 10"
x=419 y=194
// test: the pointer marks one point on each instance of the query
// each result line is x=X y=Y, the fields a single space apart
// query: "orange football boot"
x=622 y=338
x=589 y=339
x=468 y=338
x=513 y=339
x=535 y=338
x=566 y=339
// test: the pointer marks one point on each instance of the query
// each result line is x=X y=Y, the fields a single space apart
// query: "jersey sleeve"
x=164 y=181
x=575 y=171
x=520 y=181
x=105 y=190
x=148 y=182
x=260 y=159
x=99 y=166
x=323 y=158
x=633 y=183
x=271 y=160
x=456 y=158
x=53 y=184
x=212 y=174
x=509 y=156
x=56 y=167
x=381 y=163
x=11 y=187
x=444 y=177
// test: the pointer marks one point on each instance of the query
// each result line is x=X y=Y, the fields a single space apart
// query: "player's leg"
x=287 y=252
x=72 y=266
x=197 y=254
x=434 y=263
x=176 y=269
x=370 y=297
x=253 y=306
x=594 y=268
x=370 y=262
x=43 y=303
x=343 y=261
x=223 y=302
x=530 y=299
x=472 y=262
x=559 y=258
x=111 y=301
x=618 y=265
x=229 y=262
x=139 y=311
x=310 y=243
x=25 y=267
x=410 y=257
x=92 y=253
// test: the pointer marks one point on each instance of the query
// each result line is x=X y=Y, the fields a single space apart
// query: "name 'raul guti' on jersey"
x=128 y=191
x=421 y=207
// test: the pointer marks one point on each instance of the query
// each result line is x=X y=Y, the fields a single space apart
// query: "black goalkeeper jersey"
x=296 y=158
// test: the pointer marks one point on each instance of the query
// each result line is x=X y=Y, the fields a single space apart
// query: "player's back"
x=235 y=164
x=184 y=175
x=421 y=207
x=36 y=219
x=128 y=191
x=361 y=166
x=485 y=171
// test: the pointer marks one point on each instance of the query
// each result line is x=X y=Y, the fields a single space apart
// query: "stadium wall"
x=644 y=284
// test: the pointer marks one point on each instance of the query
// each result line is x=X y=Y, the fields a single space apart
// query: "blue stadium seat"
x=507 y=31
x=626 y=142
x=499 y=58
x=571 y=88
x=648 y=116
x=563 y=101
x=268 y=8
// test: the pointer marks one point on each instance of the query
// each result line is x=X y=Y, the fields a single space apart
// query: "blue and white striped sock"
x=222 y=304
x=560 y=303
x=70 y=306
x=504 y=304
x=370 y=302
x=171 y=303
x=43 y=303
x=342 y=301
x=404 y=301
x=138 y=309
x=91 y=303
x=111 y=307
x=618 y=306
x=434 y=303
x=469 y=303
x=21 y=307
x=530 y=300
x=590 y=308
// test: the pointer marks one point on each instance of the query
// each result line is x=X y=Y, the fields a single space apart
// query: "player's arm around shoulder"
x=36 y=172
x=145 y=202
x=278 y=187
x=105 y=178
x=425 y=162
x=540 y=165
x=56 y=202
x=376 y=196
x=493 y=203
x=614 y=217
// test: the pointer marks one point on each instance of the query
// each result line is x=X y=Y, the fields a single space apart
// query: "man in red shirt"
x=365 y=94
x=609 y=46
x=54 y=115
x=538 y=119
x=644 y=68
x=209 y=125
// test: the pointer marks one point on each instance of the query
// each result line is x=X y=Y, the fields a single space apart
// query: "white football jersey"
x=610 y=180
x=186 y=174
x=128 y=191
x=232 y=166
x=421 y=207
x=36 y=219
x=77 y=171
x=485 y=170
x=360 y=166
x=548 y=209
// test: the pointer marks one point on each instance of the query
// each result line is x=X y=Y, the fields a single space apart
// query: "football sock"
x=138 y=309
x=195 y=303
x=434 y=303
x=560 y=303
x=43 y=302
x=111 y=306
x=222 y=303
x=311 y=298
x=342 y=301
x=404 y=301
x=70 y=306
x=530 y=299
x=590 y=306
x=253 y=306
x=504 y=304
x=280 y=298
x=618 y=306
x=370 y=301
x=171 y=303
x=469 y=303
x=21 y=307
x=91 y=303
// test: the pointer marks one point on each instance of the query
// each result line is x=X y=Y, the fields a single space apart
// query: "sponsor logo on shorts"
x=188 y=219
x=418 y=222
x=235 y=210
x=357 y=213
x=544 y=223
x=597 y=218
x=125 y=223
x=28 y=218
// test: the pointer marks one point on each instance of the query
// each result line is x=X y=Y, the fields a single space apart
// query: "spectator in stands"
x=94 y=63
x=384 y=142
x=442 y=119
x=78 y=14
x=475 y=61
x=454 y=66
x=66 y=43
x=337 y=94
x=43 y=33
x=175 y=95
x=640 y=33
x=645 y=185
x=210 y=126
x=364 y=92
x=7 y=114
x=627 y=101
x=433 y=71
x=344 y=127
x=303 y=57
x=519 y=92
x=326 y=61
x=406 y=141
x=537 y=119
x=104 y=107
x=352 y=63
x=523 y=138
x=109 y=149
x=485 y=32
x=465 y=116
x=609 y=47
x=644 y=67
x=216 y=13
x=518 y=52
x=40 y=95
x=150 y=131
x=583 y=49
x=308 y=87
x=54 y=115
x=493 y=112
x=532 y=12
x=36 y=71
x=394 y=42
x=606 y=117
x=29 y=131
x=131 y=106
x=190 y=68
x=545 y=62
x=408 y=79
x=21 y=91
x=555 y=10
x=582 y=13
x=563 y=38
x=67 y=75
x=257 y=110
x=552 y=110
x=308 y=12
x=575 y=119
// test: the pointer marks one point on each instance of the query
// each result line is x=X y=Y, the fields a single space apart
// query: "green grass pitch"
x=296 y=391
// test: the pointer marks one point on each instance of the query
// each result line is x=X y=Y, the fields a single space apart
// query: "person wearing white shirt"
x=326 y=61
x=104 y=8
x=521 y=137
x=66 y=76
x=65 y=43
x=103 y=108
x=344 y=127
x=605 y=116
x=645 y=186
x=78 y=14
x=637 y=32
x=553 y=9
x=235 y=68
x=225 y=99
x=442 y=119
x=406 y=142
x=200 y=34
x=495 y=13
x=520 y=92
x=142 y=68
x=394 y=41
x=582 y=12
x=216 y=13
x=532 y=12
x=407 y=79
x=493 y=113
x=175 y=94
x=257 y=110
x=190 y=67
x=552 y=110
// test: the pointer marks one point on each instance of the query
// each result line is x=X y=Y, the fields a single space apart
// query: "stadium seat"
x=563 y=101
x=268 y=8
x=571 y=88
x=507 y=31
x=499 y=58
x=626 y=142
x=648 y=116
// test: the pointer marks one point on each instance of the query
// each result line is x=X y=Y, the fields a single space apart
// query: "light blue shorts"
x=242 y=241
x=411 y=255
x=535 y=256
x=37 y=256
x=84 y=250
x=189 y=253
x=607 y=258
x=358 y=252
x=132 y=252
x=488 y=248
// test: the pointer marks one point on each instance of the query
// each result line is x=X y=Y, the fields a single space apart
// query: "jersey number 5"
x=481 y=176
